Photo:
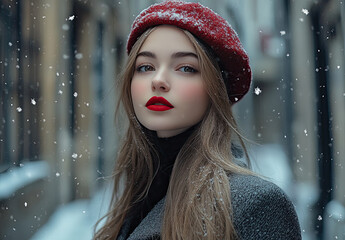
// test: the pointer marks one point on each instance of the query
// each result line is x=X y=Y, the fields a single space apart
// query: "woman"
x=175 y=176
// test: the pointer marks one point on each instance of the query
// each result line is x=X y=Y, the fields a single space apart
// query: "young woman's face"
x=167 y=90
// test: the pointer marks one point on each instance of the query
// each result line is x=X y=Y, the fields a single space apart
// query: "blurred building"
x=59 y=61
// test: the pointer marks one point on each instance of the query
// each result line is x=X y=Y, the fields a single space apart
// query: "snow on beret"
x=211 y=29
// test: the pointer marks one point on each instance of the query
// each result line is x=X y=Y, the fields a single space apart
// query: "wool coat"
x=261 y=210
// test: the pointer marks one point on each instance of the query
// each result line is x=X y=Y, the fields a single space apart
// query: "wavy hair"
x=198 y=200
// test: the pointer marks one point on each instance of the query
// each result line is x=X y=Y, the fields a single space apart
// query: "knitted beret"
x=211 y=29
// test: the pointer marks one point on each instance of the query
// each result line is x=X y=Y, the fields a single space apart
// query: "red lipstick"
x=158 y=104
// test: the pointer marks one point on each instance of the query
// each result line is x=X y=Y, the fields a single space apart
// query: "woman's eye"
x=145 y=68
x=188 y=69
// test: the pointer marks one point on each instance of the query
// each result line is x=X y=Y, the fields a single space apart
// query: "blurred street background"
x=59 y=61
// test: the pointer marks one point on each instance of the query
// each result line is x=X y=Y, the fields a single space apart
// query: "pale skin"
x=167 y=66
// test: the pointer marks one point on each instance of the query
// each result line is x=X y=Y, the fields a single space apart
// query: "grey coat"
x=261 y=211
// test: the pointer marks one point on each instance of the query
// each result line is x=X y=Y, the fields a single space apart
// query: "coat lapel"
x=150 y=226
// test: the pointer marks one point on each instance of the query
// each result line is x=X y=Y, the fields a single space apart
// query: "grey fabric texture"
x=261 y=211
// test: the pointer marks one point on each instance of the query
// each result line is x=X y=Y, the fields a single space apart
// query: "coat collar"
x=150 y=226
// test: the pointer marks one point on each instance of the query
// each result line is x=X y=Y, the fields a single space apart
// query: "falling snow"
x=71 y=18
x=74 y=155
x=33 y=101
x=282 y=33
x=19 y=109
x=79 y=56
x=75 y=94
x=65 y=27
x=305 y=11
x=257 y=91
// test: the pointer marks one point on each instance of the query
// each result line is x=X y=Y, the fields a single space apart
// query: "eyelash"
x=144 y=68
x=140 y=68
x=191 y=69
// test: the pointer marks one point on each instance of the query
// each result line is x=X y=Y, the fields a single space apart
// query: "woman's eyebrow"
x=184 y=54
x=146 y=54
x=174 y=55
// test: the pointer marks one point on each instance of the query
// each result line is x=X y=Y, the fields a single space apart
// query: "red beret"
x=211 y=29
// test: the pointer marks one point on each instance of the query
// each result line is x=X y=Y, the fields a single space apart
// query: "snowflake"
x=282 y=33
x=71 y=18
x=305 y=11
x=65 y=27
x=319 y=218
x=75 y=94
x=19 y=109
x=33 y=101
x=79 y=56
x=257 y=91
x=74 y=155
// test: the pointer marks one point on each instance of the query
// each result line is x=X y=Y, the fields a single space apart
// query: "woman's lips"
x=158 y=104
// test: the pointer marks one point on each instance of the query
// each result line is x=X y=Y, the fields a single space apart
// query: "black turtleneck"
x=167 y=149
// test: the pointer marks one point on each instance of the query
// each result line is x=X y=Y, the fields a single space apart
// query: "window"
x=19 y=94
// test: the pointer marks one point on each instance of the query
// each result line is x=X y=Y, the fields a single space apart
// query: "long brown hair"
x=198 y=200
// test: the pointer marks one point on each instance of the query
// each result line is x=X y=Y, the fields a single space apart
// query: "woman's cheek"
x=194 y=93
x=137 y=89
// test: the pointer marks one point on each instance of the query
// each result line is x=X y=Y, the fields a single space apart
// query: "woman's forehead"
x=166 y=38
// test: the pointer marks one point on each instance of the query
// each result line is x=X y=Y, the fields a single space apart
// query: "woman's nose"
x=159 y=82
